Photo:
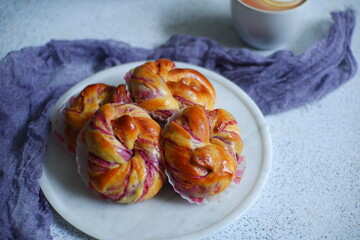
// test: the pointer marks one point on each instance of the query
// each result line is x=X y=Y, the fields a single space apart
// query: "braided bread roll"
x=201 y=149
x=85 y=105
x=162 y=89
x=124 y=160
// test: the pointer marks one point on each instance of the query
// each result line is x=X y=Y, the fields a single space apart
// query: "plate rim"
x=256 y=113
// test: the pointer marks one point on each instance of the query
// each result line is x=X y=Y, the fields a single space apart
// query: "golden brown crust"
x=161 y=88
x=201 y=149
x=124 y=161
x=85 y=105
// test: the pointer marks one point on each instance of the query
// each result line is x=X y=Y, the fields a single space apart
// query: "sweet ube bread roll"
x=201 y=149
x=85 y=105
x=161 y=88
x=124 y=160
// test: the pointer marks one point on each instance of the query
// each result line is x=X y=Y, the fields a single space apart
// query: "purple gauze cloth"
x=33 y=78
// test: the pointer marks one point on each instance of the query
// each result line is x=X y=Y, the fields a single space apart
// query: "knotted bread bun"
x=162 y=89
x=201 y=149
x=124 y=160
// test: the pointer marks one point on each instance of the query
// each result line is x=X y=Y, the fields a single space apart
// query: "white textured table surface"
x=313 y=191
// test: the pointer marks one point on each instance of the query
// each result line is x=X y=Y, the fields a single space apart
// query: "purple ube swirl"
x=162 y=115
x=125 y=153
x=98 y=164
x=183 y=101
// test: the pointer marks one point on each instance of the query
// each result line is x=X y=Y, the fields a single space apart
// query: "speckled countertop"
x=313 y=191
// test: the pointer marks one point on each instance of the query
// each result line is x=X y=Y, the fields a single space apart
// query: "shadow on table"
x=218 y=28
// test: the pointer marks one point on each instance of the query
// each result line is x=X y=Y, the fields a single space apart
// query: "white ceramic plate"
x=167 y=215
